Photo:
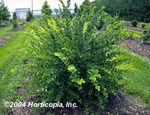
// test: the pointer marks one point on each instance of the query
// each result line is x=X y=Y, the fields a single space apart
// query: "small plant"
x=29 y=16
x=146 y=36
x=46 y=10
x=10 y=20
x=100 y=24
x=14 y=20
x=143 y=25
x=15 y=25
x=134 y=23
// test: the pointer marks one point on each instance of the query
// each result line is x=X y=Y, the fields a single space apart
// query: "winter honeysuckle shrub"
x=70 y=62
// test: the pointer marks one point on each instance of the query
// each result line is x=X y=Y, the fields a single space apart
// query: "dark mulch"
x=136 y=46
x=121 y=104
x=1 y=26
x=138 y=29
x=20 y=27
x=4 y=39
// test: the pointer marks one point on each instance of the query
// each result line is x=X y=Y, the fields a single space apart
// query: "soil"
x=20 y=27
x=138 y=29
x=4 y=39
x=1 y=26
x=136 y=46
x=121 y=104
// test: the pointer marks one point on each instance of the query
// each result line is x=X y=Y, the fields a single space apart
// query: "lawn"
x=137 y=79
x=147 y=25
x=4 y=30
x=136 y=34
x=10 y=57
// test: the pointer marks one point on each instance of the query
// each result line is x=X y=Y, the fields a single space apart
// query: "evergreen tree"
x=46 y=9
x=126 y=9
x=14 y=16
x=75 y=8
x=29 y=16
x=14 y=21
x=4 y=13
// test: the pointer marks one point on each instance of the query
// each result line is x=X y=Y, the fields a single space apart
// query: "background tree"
x=46 y=10
x=127 y=9
x=4 y=13
x=75 y=8
x=14 y=20
x=14 y=16
x=29 y=16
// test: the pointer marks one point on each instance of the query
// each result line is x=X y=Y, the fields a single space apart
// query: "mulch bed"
x=1 y=26
x=20 y=27
x=138 y=29
x=4 y=39
x=120 y=104
x=136 y=46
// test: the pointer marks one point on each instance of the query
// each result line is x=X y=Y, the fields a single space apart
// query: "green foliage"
x=146 y=36
x=46 y=9
x=75 y=8
x=143 y=25
x=137 y=79
x=127 y=9
x=14 y=16
x=4 y=13
x=11 y=73
x=15 y=25
x=65 y=12
x=70 y=62
x=100 y=24
x=14 y=20
x=134 y=23
x=29 y=16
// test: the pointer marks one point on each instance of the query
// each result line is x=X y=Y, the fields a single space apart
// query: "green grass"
x=10 y=58
x=137 y=79
x=136 y=34
x=147 y=25
x=4 y=30
x=128 y=23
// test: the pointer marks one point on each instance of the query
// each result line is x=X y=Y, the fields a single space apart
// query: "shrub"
x=134 y=23
x=143 y=25
x=4 y=12
x=14 y=20
x=146 y=36
x=100 y=24
x=10 y=20
x=70 y=62
x=29 y=16
x=46 y=10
